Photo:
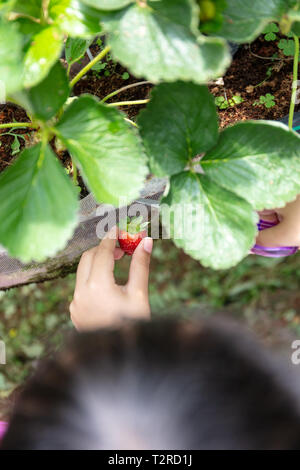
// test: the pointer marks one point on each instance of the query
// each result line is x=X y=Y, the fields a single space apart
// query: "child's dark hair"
x=168 y=384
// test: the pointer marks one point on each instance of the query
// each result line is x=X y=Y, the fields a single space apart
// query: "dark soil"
x=247 y=77
x=11 y=113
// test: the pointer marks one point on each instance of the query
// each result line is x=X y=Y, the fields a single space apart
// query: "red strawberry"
x=131 y=233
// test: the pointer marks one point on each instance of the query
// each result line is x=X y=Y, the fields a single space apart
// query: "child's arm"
x=287 y=232
x=98 y=301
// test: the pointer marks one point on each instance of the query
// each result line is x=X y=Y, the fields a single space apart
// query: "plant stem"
x=69 y=69
x=131 y=122
x=295 y=82
x=127 y=87
x=89 y=66
x=18 y=125
x=128 y=103
x=44 y=11
x=74 y=172
x=15 y=16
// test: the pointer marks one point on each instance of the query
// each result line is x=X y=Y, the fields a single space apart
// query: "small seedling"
x=223 y=103
x=99 y=66
x=268 y=75
x=267 y=100
x=270 y=32
x=287 y=46
x=269 y=72
x=16 y=144
x=125 y=76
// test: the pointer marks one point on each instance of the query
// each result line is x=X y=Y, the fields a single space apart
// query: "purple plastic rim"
x=272 y=251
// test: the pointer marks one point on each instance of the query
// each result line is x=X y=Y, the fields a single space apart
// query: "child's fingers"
x=103 y=262
x=139 y=267
x=118 y=254
x=85 y=264
x=84 y=267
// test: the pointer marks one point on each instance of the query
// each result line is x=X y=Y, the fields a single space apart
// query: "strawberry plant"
x=225 y=176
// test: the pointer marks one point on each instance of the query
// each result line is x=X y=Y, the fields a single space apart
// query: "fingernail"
x=148 y=244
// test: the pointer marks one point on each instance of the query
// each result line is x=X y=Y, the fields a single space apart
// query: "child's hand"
x=287 y=232
x=98 y=301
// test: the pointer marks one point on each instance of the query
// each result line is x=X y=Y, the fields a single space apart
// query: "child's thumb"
x=139 y=268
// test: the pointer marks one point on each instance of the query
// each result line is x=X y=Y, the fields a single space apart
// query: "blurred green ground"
x=261 y=292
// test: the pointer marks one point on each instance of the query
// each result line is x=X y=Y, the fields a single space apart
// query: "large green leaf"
x=49 y=95
x=209 y=222
x=5 y=6
x=244 y=20
x=28 y=7
x=108 y=4
x=11 y=69
x=294 y=14
x=106 y=149
x=157 y=42
x=38 y=209
x=179 y=123
x=75 y=49
x=75 y=18
x=259 y=160
x=44 y=51
x=28 y=28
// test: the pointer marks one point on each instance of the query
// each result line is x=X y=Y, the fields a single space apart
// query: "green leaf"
x=268 y=100
x=108 y=4
x=48 y=96
x=75 y=49
x=75 y=18
x=179 y=123
x=28 y=28
x=244 y=20
x=270 y=37
x=99 y=66
x=6 y=6
x=15 y=146
x=271 y=28
x=210 y=223
x=237 y=99
x=287 y=46
x=39 y=206
x=258 y=160
x=106 y=149
x=157 y=42
x=44 y=51
x=11 y=57
x=294 y=14
x=29 y=7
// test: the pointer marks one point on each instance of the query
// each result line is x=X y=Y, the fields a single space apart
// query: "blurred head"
x=168 y=384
